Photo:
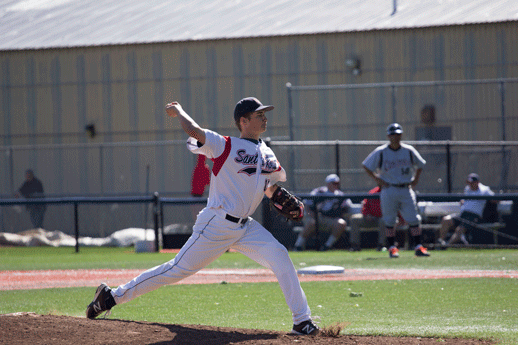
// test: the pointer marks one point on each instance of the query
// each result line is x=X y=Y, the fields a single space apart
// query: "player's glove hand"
x=287 y=204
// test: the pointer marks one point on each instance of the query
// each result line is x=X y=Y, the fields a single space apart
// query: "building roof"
x=37 y=24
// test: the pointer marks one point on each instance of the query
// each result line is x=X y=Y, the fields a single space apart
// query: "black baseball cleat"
x=103 y=301
x=421 y=251
x=305 y=328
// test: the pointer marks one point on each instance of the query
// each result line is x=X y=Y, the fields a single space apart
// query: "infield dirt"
x=28 y=328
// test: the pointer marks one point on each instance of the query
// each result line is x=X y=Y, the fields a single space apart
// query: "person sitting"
x=471 y=212
x=331 y=212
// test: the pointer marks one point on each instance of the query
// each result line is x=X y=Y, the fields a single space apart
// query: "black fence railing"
x=448 y=163
x=158 y=204
x=76 y=201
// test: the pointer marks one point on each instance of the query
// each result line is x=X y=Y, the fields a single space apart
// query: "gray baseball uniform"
x=397 y=169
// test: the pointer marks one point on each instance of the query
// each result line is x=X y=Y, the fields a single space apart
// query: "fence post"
x=161 y=219
x=394 y=115
x=76 y=225
x=101 y=171
x=156 y=201
x=448 y=166
x=11 y=169
x=503 y=177
x=337 y=158
x=291 y=156
x=502 y=108
x=290 y=111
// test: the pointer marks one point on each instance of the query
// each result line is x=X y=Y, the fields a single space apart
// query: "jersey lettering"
x=268 y=165
x=244 y=158
x=396 y=163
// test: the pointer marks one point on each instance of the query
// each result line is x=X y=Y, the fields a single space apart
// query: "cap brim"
x=265 y=108
x=399 y=131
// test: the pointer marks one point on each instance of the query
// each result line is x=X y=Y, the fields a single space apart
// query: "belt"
x=401 y=185
x=233 y=219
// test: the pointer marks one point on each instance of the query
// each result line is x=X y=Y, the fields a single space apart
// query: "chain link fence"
x=457 y=110
x=166 y=167
x=448 y=164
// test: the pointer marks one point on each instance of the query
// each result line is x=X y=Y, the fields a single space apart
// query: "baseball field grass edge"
x=45 y=258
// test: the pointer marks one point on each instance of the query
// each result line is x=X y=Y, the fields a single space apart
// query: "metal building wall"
x=48 y=96
x=446 y=53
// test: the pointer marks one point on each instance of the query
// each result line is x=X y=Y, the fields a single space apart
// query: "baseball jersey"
x=474 y=205
x=330 y=207
x=235 y=185
x=395 y=166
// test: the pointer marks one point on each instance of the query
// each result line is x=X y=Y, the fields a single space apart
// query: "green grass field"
x=468 y=307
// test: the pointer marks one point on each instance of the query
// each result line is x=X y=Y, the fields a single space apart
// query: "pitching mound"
x=30 y=328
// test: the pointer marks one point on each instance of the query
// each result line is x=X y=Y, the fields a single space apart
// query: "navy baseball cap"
x=394 y=128
x=473 y=177
x=249 y=105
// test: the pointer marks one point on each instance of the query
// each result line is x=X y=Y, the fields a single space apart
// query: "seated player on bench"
x=471 y=213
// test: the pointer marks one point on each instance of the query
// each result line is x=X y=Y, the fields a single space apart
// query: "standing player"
x=33 y=188
x=244 y=170
x=396 y=168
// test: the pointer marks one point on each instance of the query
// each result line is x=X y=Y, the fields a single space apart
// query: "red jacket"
x=371 y=207
x=200 y=177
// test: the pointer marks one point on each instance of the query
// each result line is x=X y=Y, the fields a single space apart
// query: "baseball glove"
x=287 y=204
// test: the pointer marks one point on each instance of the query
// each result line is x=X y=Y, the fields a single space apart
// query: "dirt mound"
x=30 y=328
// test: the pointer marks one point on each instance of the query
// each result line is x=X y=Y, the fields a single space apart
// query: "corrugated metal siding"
x=121 y=89
x=47 y=97
x=455 y=54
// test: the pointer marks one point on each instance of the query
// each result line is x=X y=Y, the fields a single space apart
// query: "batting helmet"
x=394 y=128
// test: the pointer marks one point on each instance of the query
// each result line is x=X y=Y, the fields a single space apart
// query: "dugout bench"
x=286 y=232
x=432 y=213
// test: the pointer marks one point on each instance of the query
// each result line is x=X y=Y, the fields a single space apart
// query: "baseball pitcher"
x=244 y=170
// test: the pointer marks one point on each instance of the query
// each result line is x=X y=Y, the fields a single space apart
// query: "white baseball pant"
x=212 y=236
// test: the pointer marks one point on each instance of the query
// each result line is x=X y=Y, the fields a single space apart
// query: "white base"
x=321 y=269
x=144 y=246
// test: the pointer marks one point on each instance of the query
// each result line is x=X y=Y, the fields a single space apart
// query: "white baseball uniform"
x=236 y=190
x=397 y=168
x=476 y=206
